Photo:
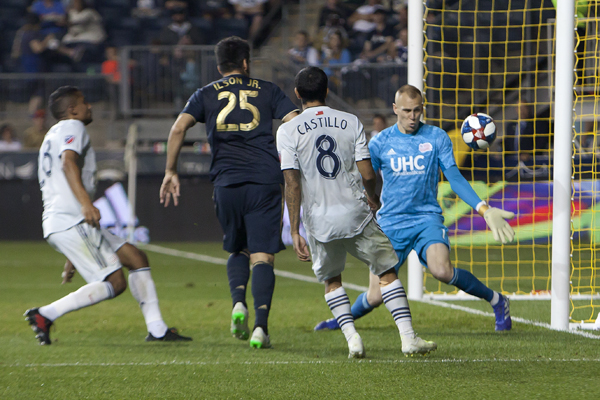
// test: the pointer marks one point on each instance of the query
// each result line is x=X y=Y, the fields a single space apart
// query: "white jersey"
x=325 y=144
x=62 y=210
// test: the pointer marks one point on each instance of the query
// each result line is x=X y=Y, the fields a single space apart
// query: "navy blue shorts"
x=250 y=215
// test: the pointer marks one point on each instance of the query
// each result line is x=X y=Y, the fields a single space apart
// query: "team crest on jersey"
x=425 y=147
x=69 y=139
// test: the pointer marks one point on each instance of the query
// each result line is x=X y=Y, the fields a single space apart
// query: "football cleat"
x=170 y=336
x=40 y=325
x=502 y=311
x=328 y=324
x=239 y=322
x=355 y=347
x=412 y=345
x=259 y=339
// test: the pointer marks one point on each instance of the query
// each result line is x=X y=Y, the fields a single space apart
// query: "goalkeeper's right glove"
x=496 y=220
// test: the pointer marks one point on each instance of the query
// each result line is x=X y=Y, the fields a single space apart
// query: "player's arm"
x=170 y=186
x=369 y=179
x=290 y=116
x=293 y=199
x=73 y=174
x=494 y=217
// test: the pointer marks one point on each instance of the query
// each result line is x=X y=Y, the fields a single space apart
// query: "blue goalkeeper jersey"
x=410 y=166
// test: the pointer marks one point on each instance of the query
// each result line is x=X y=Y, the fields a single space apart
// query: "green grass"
x=99 y=352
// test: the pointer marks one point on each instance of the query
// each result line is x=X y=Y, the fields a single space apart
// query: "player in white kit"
x=324 y=155
x=66 y=171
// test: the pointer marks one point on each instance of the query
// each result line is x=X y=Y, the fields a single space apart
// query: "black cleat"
x=170 y=336
x=40 y=325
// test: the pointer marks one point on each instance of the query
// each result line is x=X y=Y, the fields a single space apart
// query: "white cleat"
x=259 y=339
x=412 y=345
x=355 y=347
x=239 y=322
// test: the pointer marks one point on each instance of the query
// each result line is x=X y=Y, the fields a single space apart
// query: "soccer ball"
x=478 y=131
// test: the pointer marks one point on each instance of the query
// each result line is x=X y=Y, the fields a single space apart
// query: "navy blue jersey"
x=238 y=112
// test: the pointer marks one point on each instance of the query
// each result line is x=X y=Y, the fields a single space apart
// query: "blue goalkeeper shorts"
x=417 y=238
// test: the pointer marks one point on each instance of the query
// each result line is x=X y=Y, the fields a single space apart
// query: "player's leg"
x=230 y=209
x=375 y=249
x=433 y=247
x=143 y=289
x=97 y=264
x=329 y=260
x=262 y=219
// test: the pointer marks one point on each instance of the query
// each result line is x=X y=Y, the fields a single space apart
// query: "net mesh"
x=495 y=57
x=585 y=273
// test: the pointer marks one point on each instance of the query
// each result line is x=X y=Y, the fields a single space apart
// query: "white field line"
x=422 y=360
x=304 y=278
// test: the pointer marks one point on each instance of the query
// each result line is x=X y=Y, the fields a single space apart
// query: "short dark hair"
x=231 y=53
x=61 y=99
x=311 y=83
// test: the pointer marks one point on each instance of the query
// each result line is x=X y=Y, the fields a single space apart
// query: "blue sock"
x=361 y=306
x=263 y=284
x=468 y=283
x=238 y=272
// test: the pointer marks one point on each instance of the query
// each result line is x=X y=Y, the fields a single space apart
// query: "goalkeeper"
x=409 y=155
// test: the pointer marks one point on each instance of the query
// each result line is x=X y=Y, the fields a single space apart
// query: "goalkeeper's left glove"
x=496 y=221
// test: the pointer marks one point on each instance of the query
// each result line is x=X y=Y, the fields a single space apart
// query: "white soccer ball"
x=478 y=131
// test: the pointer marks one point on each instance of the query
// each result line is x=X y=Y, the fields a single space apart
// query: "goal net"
x=498 y=57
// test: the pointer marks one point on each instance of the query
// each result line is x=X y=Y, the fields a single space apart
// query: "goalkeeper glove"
x=495 y=219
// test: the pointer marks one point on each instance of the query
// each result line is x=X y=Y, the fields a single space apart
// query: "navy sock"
x=361 y=306
x=468 y=283
x=263 y=284
x=238 y=272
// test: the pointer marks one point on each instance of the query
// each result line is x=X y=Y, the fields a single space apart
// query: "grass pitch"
x=99 y=352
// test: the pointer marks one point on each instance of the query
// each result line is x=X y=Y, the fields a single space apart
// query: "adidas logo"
x=391 y=152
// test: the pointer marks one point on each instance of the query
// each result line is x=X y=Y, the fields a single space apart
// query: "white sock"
x=85 y=296
x=495 y=299
x=143 y=290
x=339 y=303
x=395 y=300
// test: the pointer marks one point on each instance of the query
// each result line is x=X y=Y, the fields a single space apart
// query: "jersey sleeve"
x=281 y=104
x=445 y=151
x=361 y=150
x=195 y=106
x=74 y=138
x=374 y=150
x=288 y=156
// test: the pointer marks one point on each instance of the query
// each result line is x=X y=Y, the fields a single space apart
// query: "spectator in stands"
x=29 y=44
x=333 y=7
x=399 y=49
x=253 y=11
x=86 y=35
x=303 y=53
x=110 y=66
x=362 y=22
x=379 y=124
x=335 y=53
x=34 y=135
x=8 y=141
x=333 y=24
x=400 y=20
x=180 y=30
x=379 y=40
x=52 y=15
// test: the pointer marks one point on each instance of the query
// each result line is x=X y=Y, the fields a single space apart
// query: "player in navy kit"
x=245 y=170
x=410 y=155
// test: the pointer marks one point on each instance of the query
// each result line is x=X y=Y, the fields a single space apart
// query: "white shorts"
x=92 y=251
x=371 y=246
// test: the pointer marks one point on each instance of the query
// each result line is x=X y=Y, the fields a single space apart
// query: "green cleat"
x=239 y=322
x=259 y=339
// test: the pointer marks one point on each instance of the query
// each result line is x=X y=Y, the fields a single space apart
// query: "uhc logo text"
x=407 y=164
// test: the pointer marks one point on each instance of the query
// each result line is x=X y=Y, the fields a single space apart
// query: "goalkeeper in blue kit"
x=409 y=155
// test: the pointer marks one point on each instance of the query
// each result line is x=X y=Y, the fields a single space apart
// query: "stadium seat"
x=123 y=37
